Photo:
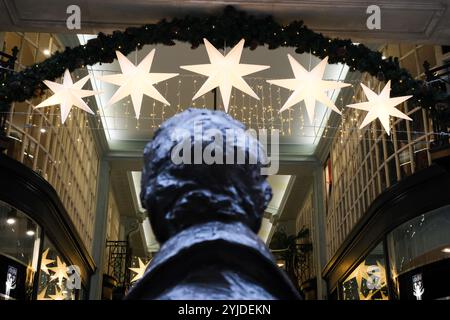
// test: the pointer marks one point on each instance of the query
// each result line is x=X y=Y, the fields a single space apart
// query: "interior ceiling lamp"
x=31 y=228
x=11 y=217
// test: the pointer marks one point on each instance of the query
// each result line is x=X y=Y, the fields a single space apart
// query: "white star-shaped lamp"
x=59 y=295
x=225 y=72
x=308 y=86
x=381 y=106
x=139 y=271
x=136 y=81
x=68 y=94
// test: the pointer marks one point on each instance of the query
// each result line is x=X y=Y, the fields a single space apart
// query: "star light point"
x=308 y=86
x=225 y=72
x=68 y=94
x=136 y=81
x=45 y=262
x=380 y=106
x=60 y=271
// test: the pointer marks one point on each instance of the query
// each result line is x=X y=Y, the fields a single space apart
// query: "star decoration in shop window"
x=140 y=270
x=60 y=271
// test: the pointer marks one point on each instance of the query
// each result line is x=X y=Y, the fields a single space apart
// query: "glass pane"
x=368 y=280
x=11 y=40
x=28 y=53
x=19 y=247
x=57 y=280
x=419 y=256
x=426 y=53
x=409 y=63
x=420 y=241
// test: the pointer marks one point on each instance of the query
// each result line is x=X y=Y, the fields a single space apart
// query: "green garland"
x=228 y=27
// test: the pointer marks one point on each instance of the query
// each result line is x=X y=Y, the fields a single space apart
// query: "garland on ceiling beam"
x=224 y=29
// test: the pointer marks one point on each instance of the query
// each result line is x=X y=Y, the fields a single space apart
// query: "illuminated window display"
x=368 y=280
x=58 y=280
x=419 y=252
x=20 y=255
x=20 y=240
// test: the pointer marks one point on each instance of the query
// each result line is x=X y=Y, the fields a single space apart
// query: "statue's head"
x=178 y=194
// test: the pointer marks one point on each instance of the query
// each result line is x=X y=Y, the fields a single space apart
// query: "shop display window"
x=19 y=253
x=419 y=252
x=368 y=280
x=58 y=280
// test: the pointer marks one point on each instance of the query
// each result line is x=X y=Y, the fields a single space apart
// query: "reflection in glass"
x=368 y=280
x=19 y=251
x=418 y=242
x=57 y=279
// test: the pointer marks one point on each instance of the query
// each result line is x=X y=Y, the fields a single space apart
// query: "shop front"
x=41 y=256
x=401 y=247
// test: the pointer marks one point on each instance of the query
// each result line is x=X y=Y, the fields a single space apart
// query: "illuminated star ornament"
x=139 y=271
x=59 y=295
x=225 y=72
x=308 y=86
x=68 y=94
x=60 y=271
x=41 y=295
x=136 y=81
x=45 y=262
x=381 y=106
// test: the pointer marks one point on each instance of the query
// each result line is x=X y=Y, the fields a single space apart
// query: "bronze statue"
x=205 y=217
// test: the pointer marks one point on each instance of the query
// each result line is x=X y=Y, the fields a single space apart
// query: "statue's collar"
x=233 y=233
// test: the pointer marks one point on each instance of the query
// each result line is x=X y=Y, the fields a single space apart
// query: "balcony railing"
x=438 y=80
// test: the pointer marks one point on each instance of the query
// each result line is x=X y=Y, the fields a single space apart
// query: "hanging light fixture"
x=31 y=228
x=11 y=217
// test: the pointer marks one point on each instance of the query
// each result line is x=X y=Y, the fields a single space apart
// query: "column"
x=319 y=241
x=99 y=239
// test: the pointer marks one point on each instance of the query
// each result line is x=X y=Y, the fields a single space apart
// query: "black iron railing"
x=438 y=80
x=119 y=260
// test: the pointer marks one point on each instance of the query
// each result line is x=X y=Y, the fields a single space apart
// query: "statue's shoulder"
x=229 y=259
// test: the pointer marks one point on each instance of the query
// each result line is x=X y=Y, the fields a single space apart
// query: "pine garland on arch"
x=226 y=28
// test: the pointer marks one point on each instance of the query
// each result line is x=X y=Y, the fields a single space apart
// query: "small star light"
x=59 y=295
x=225 y=72
x=41 y=295
x=381 y=106
x=45 y=262
x=136 y=81
x=308 y=86
x=139 y=271
x=68 y=94
x=60 y=271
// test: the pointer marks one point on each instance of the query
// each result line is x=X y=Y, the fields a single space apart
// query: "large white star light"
x=225 y=72
x=381 y=106
x=136 y=81
x=308 y=86
x=68 y=94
